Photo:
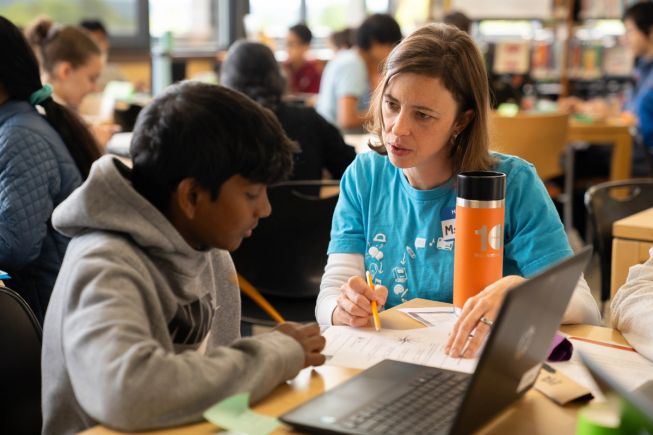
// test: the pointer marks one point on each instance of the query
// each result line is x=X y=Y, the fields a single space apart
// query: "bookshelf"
x=573 y=49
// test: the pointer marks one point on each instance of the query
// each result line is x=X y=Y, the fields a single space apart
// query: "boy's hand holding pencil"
x=309 y=337
x=354 y=305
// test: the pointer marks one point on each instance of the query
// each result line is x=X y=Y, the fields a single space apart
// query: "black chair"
x=607 y=203
x=285 y=257
x=20 y=366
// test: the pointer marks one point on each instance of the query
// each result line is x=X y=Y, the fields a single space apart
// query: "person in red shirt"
x=303 y=75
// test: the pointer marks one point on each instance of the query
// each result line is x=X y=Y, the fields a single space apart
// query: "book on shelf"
x=511 y=57
x=618 y=61
x=601 y=9
x=546 y=60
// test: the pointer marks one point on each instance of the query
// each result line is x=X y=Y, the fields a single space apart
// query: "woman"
x=430 y=117
x=72 y=63
x=251 y=68
x=42 y=160
x=70 y=60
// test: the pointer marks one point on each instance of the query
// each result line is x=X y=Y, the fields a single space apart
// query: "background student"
x=458 y=19
x=70 y=60
x=342 y=39
x=303 y=74
x=42 y=160
x=350 y=76
x=147 y=277
x=638 y=22
x=98 y=31
x=251 y=68
x=638 y=104
x=430 y=119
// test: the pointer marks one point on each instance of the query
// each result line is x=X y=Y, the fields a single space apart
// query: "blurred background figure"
x=350 y=76
x=98 y=32
x=42 y=160
x=250 y=67
x=458 y=19
x=342 y=39
x=71 y=61
x=303 y=74
x=638 y=24
x=100 y=35
x=594 y=161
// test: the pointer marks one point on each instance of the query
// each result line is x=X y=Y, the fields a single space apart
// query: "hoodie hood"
x=108 y=202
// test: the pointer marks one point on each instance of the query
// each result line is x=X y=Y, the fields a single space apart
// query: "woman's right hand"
x=354 y=306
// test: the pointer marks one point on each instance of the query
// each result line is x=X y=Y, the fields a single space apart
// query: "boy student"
x=147 y=277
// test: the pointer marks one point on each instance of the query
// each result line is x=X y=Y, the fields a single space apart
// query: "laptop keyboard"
x=428 y=407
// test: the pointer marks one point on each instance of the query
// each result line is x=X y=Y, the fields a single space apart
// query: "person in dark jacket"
x=251 y=68
x=42 y=160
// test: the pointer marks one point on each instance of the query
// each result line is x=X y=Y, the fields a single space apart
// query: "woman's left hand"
x=477 y=316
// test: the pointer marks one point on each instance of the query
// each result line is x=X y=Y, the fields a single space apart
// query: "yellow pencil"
x=257 y=297
x=375 y=308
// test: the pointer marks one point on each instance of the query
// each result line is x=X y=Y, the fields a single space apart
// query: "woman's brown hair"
x=53 y=43
x=444 y=52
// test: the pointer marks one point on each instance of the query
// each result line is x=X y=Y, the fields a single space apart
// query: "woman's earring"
x=453 y=138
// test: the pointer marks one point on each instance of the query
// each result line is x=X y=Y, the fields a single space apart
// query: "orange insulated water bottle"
x=478 y=247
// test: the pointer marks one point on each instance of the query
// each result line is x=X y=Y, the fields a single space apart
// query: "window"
x=187 y=20
x=326 y=17
x=270 y=20
x=126 y=20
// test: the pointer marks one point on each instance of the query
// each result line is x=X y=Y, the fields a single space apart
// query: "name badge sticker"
x=448 y=223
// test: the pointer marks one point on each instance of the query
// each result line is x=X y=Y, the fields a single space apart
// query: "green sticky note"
x=233 y=414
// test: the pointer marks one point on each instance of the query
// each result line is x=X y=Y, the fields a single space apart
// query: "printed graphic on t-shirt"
x=375 y=252
x=397 y=263
x=400 y=281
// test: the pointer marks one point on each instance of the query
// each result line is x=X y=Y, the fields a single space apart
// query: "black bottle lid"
x=482 y=185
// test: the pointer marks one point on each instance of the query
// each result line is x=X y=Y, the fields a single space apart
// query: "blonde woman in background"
x=71 y=62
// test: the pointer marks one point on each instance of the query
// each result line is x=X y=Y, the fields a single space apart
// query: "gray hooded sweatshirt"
x=130 y=307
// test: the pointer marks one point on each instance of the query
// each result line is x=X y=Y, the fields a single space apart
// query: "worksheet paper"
x=627 y=367
x=362 y=348
x=442 y=317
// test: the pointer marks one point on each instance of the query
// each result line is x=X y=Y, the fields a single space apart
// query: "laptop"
x=637 y=405
x=394 y=397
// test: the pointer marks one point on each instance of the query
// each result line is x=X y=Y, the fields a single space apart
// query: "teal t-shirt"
x=407 y=235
